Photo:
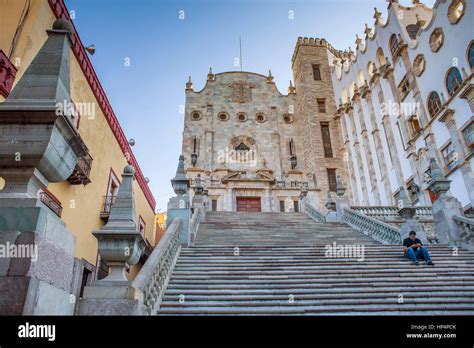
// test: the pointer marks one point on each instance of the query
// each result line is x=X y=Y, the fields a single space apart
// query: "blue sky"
x=164 y=49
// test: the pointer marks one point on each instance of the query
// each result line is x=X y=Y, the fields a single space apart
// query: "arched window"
x=433 y=103
x=413 y=30
x=453 y=80
x=470 y=54
x=381 y=57
x=393 y=44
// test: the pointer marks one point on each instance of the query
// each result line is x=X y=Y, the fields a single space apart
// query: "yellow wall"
x=81 y=204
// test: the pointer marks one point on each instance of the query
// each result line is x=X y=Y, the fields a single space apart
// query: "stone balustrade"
x=378 y=230
x=313 y=213
x=153 y=278
x=466 y=229
x=391 y=211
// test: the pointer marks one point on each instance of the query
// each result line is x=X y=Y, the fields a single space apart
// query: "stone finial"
x=368 y=30
x=330 y=204
x=63 y=24
x=198 y=188
x=180 y=182
x=419 y=21
x=340 y=189
x=189 y=84
x=291 y=88
x=358 y=41
x=210 y=75
x=377 y=16
x=121 y=232
x=270 y=76
x=438 y=183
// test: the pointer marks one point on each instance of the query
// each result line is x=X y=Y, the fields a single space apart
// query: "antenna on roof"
x=240 y=45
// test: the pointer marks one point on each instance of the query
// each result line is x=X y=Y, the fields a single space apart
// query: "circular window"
x=196 y=115
x=223 y=116
x=261 y=118
x=419 y=65
x=288 y=118
x=456 y=11
x=241 y=117
x=436 y=39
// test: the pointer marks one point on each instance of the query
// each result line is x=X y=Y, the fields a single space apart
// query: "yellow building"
x=83 y=201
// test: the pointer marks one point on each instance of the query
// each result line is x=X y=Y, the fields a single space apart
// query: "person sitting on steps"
x=413 y=249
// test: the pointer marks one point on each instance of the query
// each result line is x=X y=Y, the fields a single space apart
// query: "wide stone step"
x=297 y=302
x=207 y=296
x=349 y=289
x=464 y=309
x=317 y=285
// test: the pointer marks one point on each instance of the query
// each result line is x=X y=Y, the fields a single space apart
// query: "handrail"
x=153 y=277
x=466 y=228
x=313 y=212
x=376 y=229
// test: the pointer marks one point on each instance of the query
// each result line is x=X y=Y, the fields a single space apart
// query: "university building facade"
x=373 y=117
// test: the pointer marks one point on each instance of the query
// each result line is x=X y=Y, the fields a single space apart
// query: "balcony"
x=108 y=202
x=81 y=173
x=51 y=202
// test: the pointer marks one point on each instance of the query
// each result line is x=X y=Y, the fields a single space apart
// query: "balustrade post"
x=407 y=213
x=178 y=206
x=341 y=201
x=444 y=207
x=120 y=245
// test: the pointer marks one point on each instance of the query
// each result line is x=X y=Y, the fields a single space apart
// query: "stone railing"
x=466 y=228
x=313 y=213
x=153 y=278
x=391 y=212
x=196 y=218
x=376 y=229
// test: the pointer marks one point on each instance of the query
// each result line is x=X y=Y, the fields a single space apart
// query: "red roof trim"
x=60 y=11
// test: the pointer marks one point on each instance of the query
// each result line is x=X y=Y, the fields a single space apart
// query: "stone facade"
x=236 y=126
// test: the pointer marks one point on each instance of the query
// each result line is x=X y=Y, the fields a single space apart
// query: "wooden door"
x=249 y=204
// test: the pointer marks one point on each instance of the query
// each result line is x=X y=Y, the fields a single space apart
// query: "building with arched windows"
x=416 y=103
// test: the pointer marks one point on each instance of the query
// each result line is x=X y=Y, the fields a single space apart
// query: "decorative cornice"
x=60 y=11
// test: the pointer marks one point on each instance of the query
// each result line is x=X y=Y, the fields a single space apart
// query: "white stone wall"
x=453 y=52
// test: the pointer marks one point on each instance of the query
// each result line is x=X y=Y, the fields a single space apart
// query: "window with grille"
x=453 y=80
x=322 y=105
x=434 y=103
x=316 y=72
x=449 y=156
x=332 y=179
x=326 y=140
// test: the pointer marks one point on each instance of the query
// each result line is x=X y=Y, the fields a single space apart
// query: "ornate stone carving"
x=241 y=92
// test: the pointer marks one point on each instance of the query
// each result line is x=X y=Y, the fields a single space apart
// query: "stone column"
x=348 y=159
x=378 y=146
x=387 y=124
x=357 y=153
x=468 y=94
x=368 y=151
x=444 y=207
x=468 y=176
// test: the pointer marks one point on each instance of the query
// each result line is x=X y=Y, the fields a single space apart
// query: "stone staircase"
x=275 y=264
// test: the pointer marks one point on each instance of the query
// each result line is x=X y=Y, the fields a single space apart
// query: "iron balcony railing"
x=108 y=202
x=51 y=203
